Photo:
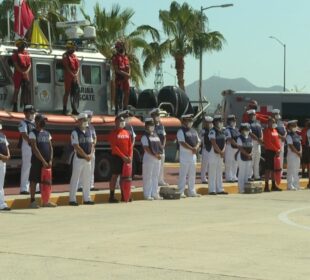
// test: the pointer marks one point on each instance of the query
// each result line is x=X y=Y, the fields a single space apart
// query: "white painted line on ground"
x=284 y=217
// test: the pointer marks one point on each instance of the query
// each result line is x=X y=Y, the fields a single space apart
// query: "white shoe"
x=183 y=195
x=163 y=184
x=157 y=197
x=149 y=198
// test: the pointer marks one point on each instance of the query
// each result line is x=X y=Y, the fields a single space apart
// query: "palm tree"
x=113 y=25
x=180 y=23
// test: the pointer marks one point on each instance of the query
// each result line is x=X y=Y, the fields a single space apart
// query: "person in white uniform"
x=206 y=148
x=93 y=160
x=294 y=153
x=281 y=131
x=160 y=131
x=257 y=136
x=244 y=157
x=151 y=160
x=231 y=164
x=25 y=127
x=189 y=142
x=82 y=142
x=218 y=140
x=4 y=157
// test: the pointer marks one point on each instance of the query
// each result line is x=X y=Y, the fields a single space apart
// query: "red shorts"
x=123 y=85
x=68 y=79
x=17 y=79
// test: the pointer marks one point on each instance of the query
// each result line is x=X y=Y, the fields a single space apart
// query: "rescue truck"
x=47 y=84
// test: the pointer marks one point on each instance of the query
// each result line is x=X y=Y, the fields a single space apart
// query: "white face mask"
x=277 y=117
x=189 y=125
x=274 y=125
x=209 y=125
x=84 y=124
x=127 y=120
x=122 y=124
x=294 y=129
x=253 y=118
x=220 y=125
x=157 y=119
x=31 y=117
x=151 y=128
x=246 y=134
x=233 y=124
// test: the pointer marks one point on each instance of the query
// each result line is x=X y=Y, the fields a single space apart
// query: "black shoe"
x=64 y=112
x=5 y=209
x=222 y=192
x=275 y=189
x=73 y=203
x=257 y=179
x=266 y=189
x=75 y=112
x=80 y=189
x=24 y=192
x=212 y=193
x=15 y=108
x=251 y=180
x=204 y=182
x=38 y=192
x=113 y=200
x=95 y=189
x=90 y=202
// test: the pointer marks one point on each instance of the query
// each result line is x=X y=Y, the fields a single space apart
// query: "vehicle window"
x=43 y=73
x=59 y=72
x=91 y=74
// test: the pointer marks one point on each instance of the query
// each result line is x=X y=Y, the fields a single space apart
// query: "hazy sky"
x=249 y=52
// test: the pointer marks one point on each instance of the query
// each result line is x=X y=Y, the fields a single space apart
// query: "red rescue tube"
x=126 y=181
x=46 y=184
x=277 y=170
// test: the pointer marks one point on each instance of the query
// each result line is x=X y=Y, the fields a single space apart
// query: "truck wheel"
x=103 y=169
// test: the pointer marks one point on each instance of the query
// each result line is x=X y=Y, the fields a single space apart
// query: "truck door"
x=43 y=84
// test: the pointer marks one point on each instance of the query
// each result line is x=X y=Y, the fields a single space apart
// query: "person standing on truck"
x=121 y=67
x=281 y=131
x=294 y=153
x=189 y=142
x=217 y=153
x=153 y=151
x=22 y=67
x=25 y=127
x=206 y=148
x=272 y=145
x=83 y=144
x=71 y=73
x=244 y=157
x=4 y=157
x=231 y=164
x=42 y=157
x=161 y=132
x=257 y=136
x=121 y=150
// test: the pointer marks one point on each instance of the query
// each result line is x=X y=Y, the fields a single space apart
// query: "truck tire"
x=103 y=168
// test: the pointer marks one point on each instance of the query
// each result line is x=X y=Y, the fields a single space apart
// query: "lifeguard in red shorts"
x=121 y=68
x=22 y=66
x=71 y=70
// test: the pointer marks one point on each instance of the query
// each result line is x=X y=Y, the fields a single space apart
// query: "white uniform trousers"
x=293 y=165
x=2 y=176
x=92 y=176
x=215 y=172
x=187 y=171
x=231 y=164
x=150 y=174
x=26 y=165
x=161 y=169
x=243 y=174
x=80 y=171
x=282 y=154
x=256 y=154
x=205 y=157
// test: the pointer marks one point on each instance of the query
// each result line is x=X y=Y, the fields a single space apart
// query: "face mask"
x=277 y=117
x=274 y=125
x=84 y=124
x=151 y=128
x=294 y=129
x=189 y=125
x=246 y=133
x=253 y=118
x=157 y=119
x=122 y=124
x=127 y=120
x=233 y=124
x=31 y=117
x=220 y=125
x=209 y=125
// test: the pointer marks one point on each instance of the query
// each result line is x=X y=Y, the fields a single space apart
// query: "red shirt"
x=304 y=136
x=23 y=60
x=71 y=61
x=271 y=140
x=120 y=142
x=120 y=62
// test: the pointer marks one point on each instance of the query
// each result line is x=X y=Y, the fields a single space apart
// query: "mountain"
x=212 y=88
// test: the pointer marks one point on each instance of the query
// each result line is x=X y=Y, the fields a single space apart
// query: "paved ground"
x=263 y=236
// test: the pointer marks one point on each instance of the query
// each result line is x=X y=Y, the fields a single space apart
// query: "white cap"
x=89 y=113
x=292 y=122
x=231 y=117
x=217 y=117
x=275 y=111
x=147 y=120
x=154 y=111
x=82 y=116
x=245 y=125
x=187 y=116
x=125 y=114
x=252 y=111
x=208 y=119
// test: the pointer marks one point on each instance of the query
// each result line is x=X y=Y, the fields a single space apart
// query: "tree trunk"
x=179 y=67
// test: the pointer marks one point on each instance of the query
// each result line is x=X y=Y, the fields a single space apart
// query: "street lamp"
x=200 y=54
x=284 y=49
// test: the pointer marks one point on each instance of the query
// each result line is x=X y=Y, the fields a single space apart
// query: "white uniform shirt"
x=145 y=143
x=212 y=135
x=75 y=137
x=289 y=141
x=23 y=128
x=32 y=136
x=186 y=155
